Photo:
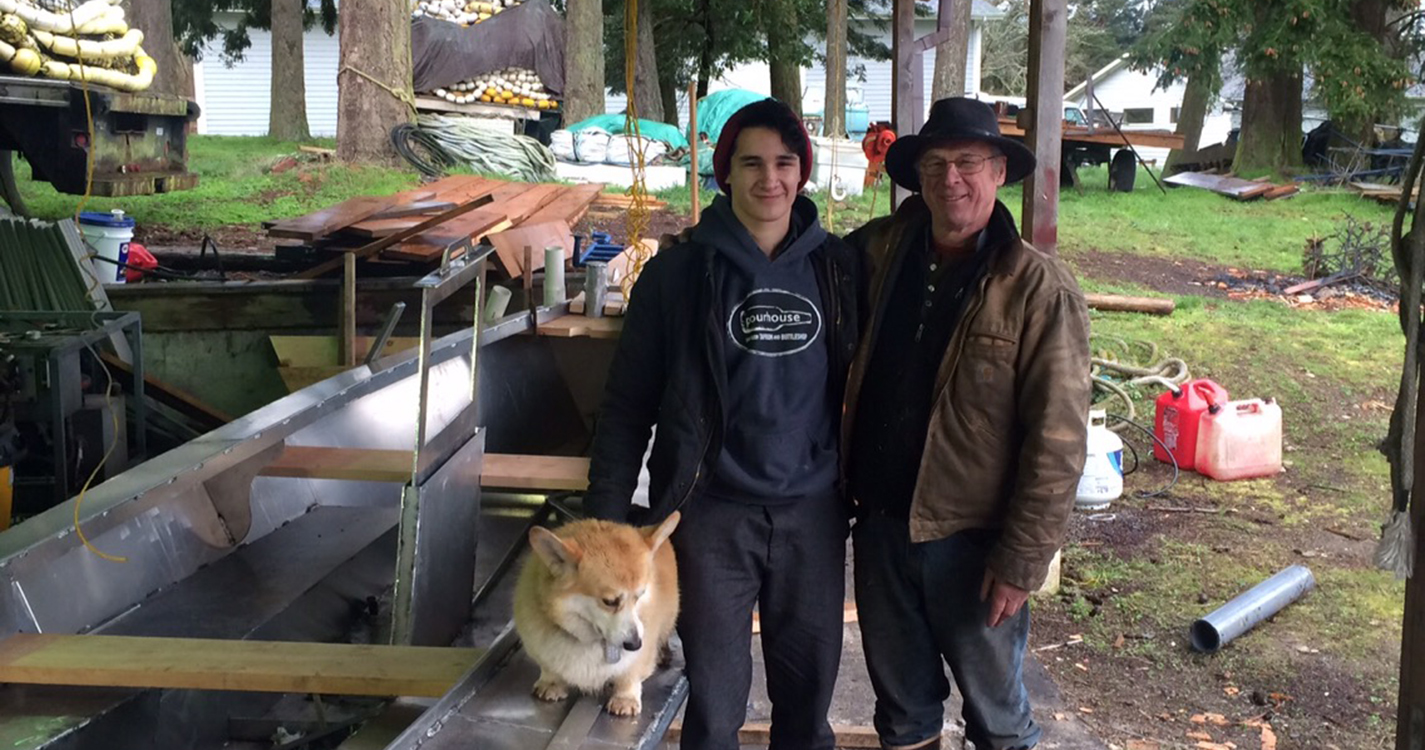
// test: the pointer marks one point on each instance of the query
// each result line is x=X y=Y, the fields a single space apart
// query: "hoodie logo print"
x=774 y=323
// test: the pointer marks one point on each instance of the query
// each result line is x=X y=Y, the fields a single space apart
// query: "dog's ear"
x=559 y=555
x=657 y=535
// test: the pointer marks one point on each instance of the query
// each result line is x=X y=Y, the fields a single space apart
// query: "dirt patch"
x=233 y=238
x=1180 y=276
x=660 y=222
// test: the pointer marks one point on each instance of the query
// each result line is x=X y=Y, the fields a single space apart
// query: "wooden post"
x=905 y=110
x=694 y=177
x=908 y=72
x=348 y=310
x=1410 y=708
x=1044 y=130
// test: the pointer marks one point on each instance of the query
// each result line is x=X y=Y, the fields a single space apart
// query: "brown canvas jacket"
x=1007 y=436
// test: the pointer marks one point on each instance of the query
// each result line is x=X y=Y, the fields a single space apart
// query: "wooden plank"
x=348 y=311
x=174 y=398
x=1104 y=135
x=510 y=243
x=570 y=206
x=503 y=470
x=1231 y=187
x=208 y=664
x=514 y=202
x=848 y=736
x=427 y=247
x=453 y=190
x=1281 y=191
x=849 y=616
x=381 y=244
x=353 y=464
x=342 y=215
x=479 y=109
x=572 y=326
x=511 y=471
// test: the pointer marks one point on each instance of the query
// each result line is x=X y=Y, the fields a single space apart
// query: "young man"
x=735 y=346
x=965 y=431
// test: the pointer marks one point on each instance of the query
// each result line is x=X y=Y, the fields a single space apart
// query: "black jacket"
x=668 y=371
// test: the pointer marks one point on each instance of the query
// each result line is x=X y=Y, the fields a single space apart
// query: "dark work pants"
x=789 y=560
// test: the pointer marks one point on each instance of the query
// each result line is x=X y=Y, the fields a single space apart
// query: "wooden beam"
x=511 y=471
x=1116 y=303
x=1048 y=21
x=503 y=470
x=348 y=311
x=755 y=733
x=207 y=664
x=694 y=178
x=906 y=110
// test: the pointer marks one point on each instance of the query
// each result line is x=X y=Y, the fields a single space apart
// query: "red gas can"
x=1176 y=422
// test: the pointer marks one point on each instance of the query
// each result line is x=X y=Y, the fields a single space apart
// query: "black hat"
x=956 y=119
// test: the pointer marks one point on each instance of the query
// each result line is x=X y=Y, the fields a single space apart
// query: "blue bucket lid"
x=104 y=219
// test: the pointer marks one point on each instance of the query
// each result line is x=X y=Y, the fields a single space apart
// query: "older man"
x=966 y=413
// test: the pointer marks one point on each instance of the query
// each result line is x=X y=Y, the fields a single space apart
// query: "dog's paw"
x=625 y=705
x=547 y=689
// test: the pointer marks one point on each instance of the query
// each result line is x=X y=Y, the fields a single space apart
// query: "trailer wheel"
x=9 y=190
x=1122 y=171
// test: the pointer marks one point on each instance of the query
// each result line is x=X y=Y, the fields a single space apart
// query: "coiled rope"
x=1120 y=365
x=436 y=144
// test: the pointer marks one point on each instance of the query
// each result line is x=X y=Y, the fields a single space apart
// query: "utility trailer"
x=139 y=140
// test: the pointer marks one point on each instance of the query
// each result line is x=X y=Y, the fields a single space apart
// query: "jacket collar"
x=1001 y=235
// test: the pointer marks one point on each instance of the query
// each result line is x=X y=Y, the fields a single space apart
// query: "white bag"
x=561 y=142
x=624 y=148
x=591 y=146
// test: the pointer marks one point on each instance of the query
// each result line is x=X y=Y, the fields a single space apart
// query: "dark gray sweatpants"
x=790 y=561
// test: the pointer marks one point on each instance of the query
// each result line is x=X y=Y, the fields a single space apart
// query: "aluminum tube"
x=596 y=288
x=1247 y=610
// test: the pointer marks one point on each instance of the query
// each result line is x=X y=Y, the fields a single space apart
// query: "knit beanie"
x=765 y=113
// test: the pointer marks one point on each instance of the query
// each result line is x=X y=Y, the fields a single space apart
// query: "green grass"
x=234 y=187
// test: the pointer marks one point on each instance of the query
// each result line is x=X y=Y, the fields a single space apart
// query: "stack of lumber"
x=1382 y=193
x=359 y=224
x=1233 y=187
x=620 y=202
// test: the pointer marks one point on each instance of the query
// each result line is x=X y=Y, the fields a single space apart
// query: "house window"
x=1173 y=115
x=1138 y=116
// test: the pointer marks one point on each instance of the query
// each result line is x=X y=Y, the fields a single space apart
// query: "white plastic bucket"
x=845 y=172
x=109 y=234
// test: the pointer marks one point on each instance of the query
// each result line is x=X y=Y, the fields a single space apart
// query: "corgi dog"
x=596 y=604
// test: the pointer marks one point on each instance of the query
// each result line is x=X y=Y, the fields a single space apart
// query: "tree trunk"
x=834 y=113
x=668 y=88
x=375 y=42
x=583 y=60
x=782 y=61
x=287 y=119
x=645 y=74
x=1192 y=114
x=1270 y=141
x=951 y=77
x=175 y=70
x=705 y=58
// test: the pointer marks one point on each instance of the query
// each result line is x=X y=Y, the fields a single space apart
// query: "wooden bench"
x=208 y=664
x=499 y=470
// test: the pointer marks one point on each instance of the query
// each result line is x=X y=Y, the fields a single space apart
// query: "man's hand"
x=1005 y=599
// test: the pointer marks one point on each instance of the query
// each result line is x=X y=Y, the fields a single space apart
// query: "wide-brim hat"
x=956 y=119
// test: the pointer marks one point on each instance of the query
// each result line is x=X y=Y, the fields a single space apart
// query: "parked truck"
x=139 y=141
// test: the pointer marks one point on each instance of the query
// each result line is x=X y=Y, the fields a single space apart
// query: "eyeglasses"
x=966 y=164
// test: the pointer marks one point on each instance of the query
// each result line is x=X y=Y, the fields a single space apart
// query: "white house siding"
x=875 y=83
x=237 y=100
x=1122 y=89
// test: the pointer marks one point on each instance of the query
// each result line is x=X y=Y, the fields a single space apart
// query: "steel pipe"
x=1249 y=609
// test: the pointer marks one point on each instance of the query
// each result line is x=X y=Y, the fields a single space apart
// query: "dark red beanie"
x=727 y=140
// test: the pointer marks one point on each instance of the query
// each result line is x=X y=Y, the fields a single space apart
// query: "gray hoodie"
x=779 y=444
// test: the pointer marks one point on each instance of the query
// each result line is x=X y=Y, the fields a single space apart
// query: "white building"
x=235 y=99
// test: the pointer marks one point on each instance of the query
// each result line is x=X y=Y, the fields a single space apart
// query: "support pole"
x=693 y=176
x=1048 y=23
x=906 y=109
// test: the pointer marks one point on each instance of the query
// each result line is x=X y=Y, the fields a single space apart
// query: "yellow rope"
x=638 y=217
x=405 y=97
